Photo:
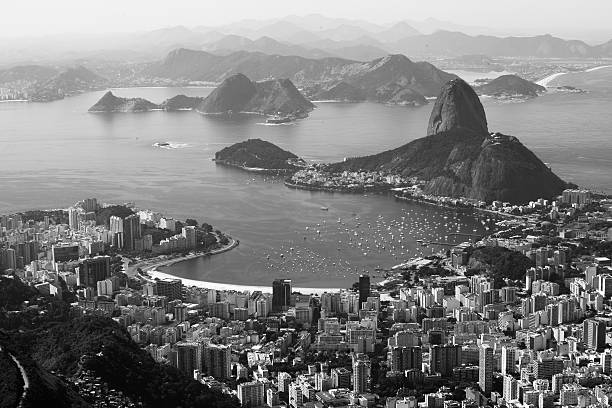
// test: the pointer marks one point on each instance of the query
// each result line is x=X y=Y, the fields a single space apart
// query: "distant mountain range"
x=459 y=157
x=392 y=79
x=448 y=43
x=362 y=45
x=310 y=36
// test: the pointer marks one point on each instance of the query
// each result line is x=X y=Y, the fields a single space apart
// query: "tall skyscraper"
x=116 y=229
x=404 y=358
x=189 y=233
x=218 y=361
x=508 y=359
x=296 y=397
x=92 y=270
x=281 y=294
x=131 y=231
x=364 y=289
x=361 y=374
x=443 y=358
x=189 y=357
x=510 y=391
x=11 y=259
x=73 y=218
x=251 y=394
x=485 y=369
x=594 y=334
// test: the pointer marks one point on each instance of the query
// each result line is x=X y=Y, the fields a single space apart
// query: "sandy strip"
x=545 y=81
x=240 y=288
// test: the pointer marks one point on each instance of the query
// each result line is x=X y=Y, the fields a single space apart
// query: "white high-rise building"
x=73 y=218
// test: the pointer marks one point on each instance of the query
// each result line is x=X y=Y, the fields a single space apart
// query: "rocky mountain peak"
x=457 y=108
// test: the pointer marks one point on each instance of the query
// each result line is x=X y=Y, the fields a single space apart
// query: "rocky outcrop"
x=181 y=102
x=457 y=107
x=239 y=94
x=111 y=103
x=507 y=86
x=257 y=154
x=459 y=158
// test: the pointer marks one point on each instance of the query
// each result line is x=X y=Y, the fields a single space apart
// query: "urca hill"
x=258 y=155
x=460 y=158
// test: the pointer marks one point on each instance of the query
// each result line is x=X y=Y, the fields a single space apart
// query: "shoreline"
x=147 y=267
x=357 y=190
x=151 y=272
x=456 y=207
x=259 y=170
x=236 y=287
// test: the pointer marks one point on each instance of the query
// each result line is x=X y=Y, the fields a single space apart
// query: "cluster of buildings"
x=315 y=178
x=464 y=339
x=72 y=246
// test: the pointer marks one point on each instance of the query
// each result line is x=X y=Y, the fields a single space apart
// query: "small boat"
x=324 y=208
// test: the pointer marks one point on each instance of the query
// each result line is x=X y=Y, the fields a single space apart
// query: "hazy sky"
x=36 y=17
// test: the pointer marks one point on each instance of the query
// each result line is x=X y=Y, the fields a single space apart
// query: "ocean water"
x=54 y=154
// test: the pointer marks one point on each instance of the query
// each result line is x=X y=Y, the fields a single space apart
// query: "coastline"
x=259 y=170
x=356 y=190
x=236 y=287
x=150 y=271
x=150 y=265
x=456 y=207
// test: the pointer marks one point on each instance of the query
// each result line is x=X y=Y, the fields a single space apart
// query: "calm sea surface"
x=54 y=154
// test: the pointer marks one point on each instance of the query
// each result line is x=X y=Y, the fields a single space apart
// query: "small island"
x=259 y=156
x=510 y=87
x=111 y=103
x=278 y=99
x=238 y=94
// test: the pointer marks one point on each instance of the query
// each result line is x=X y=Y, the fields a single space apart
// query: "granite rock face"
x=459 y=158
x=457 y=107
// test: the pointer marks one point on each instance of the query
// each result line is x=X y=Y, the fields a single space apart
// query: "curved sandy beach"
x=240 y=288
x=151 y=270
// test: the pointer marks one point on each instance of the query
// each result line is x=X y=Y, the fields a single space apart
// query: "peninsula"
x=459 y=157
